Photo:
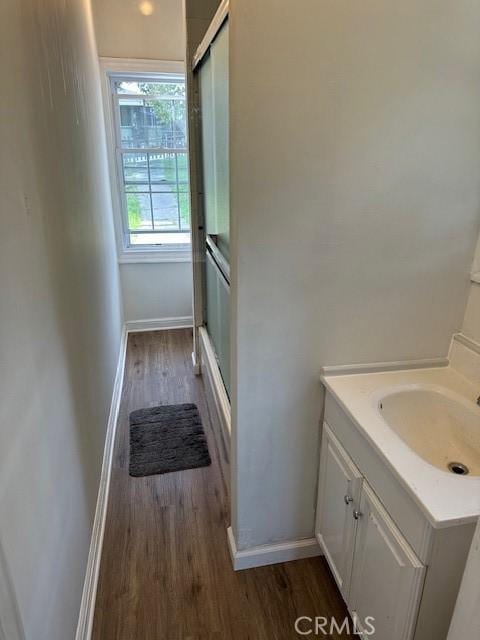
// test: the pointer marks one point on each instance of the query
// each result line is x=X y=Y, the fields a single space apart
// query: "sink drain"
x=458 y=468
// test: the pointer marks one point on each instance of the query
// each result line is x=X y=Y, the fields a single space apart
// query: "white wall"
x=157 y=290
x=471 y=323
x=161 y=290
x=124 y=32
x=355 y=197
x=471 y=320
x=60 y=319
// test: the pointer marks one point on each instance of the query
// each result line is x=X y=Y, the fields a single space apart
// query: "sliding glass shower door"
x=217 y=291
x=213 y=84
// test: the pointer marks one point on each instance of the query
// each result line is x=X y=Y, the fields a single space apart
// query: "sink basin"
x=440 y=426
x=418 y=421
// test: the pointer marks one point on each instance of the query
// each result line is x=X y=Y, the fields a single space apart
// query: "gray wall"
x=154 y=290
x=60 y=318
x=355 y=197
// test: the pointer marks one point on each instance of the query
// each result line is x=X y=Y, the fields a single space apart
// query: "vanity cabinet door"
x=338 y=495
x=387 y=577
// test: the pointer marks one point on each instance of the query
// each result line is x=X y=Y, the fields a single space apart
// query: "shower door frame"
x=197 y=212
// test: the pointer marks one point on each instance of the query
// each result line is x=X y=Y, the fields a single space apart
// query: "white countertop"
x=446 y=499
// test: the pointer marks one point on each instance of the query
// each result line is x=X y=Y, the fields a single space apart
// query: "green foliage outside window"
x=134 y=211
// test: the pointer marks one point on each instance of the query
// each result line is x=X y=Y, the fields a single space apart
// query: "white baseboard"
x=271 y=553
x=214 y=380
x=87 y=606
x=156 y=324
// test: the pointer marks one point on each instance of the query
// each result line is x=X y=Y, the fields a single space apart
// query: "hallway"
x=166 y=573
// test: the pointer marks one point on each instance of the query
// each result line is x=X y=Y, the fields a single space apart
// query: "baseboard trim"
x=87 y=606
x=157 y=324
x=271 y=553
x=214 y=380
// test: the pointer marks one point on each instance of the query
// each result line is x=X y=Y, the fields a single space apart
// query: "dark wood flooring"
x=165 y=571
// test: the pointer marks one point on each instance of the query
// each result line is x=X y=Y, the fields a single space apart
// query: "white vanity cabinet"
x=390 y=561
x=377 y=572
x=338 y=490
x=387 y=576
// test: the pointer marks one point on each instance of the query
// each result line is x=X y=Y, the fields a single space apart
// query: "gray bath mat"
x=167 y=438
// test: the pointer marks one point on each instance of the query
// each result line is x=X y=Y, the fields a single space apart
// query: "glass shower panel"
x=218 y=317
x=213 y=76
x=208 y=145
x=214 y=126
x=219 y=55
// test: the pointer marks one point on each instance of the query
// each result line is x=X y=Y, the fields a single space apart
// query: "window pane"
x=165 y=211
x=146 y=123
x=163 y=171
x=139 y=211
x=182 y=164
x=152 y=115
x=137 y=188
x=135 y=168
x=184 y=203
x=164 y=186
x=164 y=87
x=138 y=124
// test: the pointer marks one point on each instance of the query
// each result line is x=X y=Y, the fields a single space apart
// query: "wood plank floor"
x=165 y=572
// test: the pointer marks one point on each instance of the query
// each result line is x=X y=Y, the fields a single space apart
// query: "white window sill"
x=138 y=256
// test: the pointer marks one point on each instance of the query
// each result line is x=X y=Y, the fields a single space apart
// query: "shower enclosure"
x=213 y=240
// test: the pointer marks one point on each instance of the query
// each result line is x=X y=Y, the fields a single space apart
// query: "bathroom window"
x=150 y=151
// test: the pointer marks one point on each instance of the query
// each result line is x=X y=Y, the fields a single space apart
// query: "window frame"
x=112 y=68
